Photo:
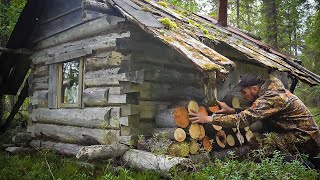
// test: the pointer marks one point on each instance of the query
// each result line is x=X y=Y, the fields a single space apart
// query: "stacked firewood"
x=191 y=138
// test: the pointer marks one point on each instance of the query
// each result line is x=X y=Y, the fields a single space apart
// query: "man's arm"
x=263 y=107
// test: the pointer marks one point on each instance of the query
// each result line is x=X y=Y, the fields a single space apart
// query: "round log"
x=193 y=106
x=194 y=131
x=249 y=135
x=142 y=160
x=202 y=132
x=194 y=147
x=216 y=127
x=179 y=135
x=214 y=109
x=235 y=102
x=181 y=117
x=230 y=140
x=207 y=143
x=203 y=111
x=221 y=139
x=181 y=149
x=246 y=128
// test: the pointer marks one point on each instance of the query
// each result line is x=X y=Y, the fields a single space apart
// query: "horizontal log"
x=101 y=152
x=75 y=135
x=39 y=99
x=98 y=79
x=104 y=96
x=40 y=86
x=164 y=119
x=165 y=132
x=22 y=138
x=51 y=55
x=61 y=148
x=143 y=160
x=145 y=111
x=105 y=60
x=19 y=150
x=40 y=71
x=107 y=117
x=128 y=140
x=163 y=92
x=143 y=127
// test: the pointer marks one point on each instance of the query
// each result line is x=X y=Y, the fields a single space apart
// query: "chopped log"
x=181 y=149
x=156 y=143
x=203 y=111
x=214 y=109
x=22 y=138
x=249 y=135
x=180 y=135
x=101 y=152
x=230 y=140
x=202 y=132
x=181 y=117
x=105 y=60
x=194 y=147
x=164 y=119
x=217 y=127
x=193 y=106
x=61 y=148
x=235 y=102
x=207 y=144
x=246 y=128
x=143 y=160
x=238 y=151
x=234 y=129
x=221 y=139
x=18 y=150
x=195 y=131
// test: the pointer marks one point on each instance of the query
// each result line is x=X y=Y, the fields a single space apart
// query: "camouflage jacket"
x=278 y=109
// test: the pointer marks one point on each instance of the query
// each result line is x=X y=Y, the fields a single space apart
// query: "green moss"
x=205 y=31
x=185 y=13
x=209 y=25
x=177 y=12
x=211 y=37
x=145 y=8
x=162 y=3
x=168 y=23
x=210 y=67
x=194 y=23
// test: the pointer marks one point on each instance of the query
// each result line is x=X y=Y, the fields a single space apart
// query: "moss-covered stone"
x=168 y=23
x=162 y=3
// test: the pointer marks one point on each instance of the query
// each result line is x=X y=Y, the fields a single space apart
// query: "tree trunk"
x=270 y=12
x=101 y=152
x=143 y=160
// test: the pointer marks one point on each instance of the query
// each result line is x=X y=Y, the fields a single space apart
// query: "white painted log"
x=143 y=160
x=101 y=152
x=61 y=148
x=76 y=135
x=164 y=119
x=88 y=29
x=106 y=117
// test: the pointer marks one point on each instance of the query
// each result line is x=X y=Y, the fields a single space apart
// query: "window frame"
x=80 y=88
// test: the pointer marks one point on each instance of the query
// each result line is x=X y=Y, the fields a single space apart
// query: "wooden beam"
x=16 y=51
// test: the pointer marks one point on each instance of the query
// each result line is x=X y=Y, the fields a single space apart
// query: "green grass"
x=34 y=166
x=316 y=113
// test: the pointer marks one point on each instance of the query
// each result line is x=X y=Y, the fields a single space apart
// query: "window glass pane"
x=70 y=82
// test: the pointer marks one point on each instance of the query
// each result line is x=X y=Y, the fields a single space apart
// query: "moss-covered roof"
x=194 y=36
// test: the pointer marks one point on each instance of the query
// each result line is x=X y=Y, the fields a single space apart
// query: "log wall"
x=128 y=78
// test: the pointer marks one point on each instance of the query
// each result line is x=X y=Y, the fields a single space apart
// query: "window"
x=70 y=84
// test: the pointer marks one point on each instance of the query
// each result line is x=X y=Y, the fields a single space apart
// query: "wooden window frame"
x=80 y=89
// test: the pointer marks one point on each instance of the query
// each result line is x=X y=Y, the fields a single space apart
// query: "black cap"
x=248 y=80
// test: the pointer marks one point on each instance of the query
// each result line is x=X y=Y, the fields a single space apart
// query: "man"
x=279 y=111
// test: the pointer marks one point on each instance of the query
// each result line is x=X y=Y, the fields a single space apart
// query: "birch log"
x=143 y=160
x=101 y=152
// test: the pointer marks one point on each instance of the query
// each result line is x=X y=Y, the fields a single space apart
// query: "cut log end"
x=246 y=128
x=203 y=111
x=235 y=102
x=230 y=140
x=207 y=144
x=221 y=139
x=214 y=109
x=179 y=135
x=194 y=147
x=249 y=135
x=216 y=127
x=193 y=106
x=181 y=149
x=202 y=132
x=181 y=117
x=195 y=131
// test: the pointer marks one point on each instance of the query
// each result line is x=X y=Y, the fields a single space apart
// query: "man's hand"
x=225 y=109
x=199 y=118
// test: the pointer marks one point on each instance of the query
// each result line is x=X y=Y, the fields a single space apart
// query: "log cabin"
x=101 y=70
